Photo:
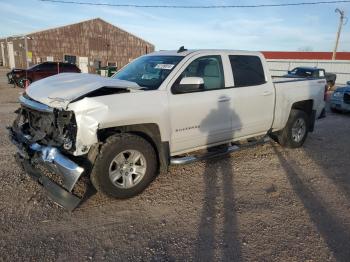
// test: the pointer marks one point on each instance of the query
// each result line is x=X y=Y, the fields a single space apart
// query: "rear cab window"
x=247 y=70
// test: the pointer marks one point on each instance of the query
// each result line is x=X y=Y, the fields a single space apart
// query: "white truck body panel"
x=289 y=92
x=105 y=112
x=188 y=121
x=59 y=90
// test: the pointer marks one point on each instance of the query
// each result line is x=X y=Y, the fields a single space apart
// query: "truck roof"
x=187 y=52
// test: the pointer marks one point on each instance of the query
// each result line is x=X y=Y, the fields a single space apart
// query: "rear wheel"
x=296 y=130
x=126 y=165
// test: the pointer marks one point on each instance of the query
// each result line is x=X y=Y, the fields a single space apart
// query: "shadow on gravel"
x=218 y=192
x=334 y=159
x=207 y=236
x=335 y=234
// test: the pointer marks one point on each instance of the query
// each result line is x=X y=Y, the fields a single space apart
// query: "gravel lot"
x=261 y=204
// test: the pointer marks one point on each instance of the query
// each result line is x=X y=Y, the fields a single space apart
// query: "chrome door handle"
x=267 y=93
x=224 y=99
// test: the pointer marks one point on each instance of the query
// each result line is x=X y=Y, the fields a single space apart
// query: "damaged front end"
x=45 y=138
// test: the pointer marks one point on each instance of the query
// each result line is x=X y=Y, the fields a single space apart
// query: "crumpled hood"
x=59 y=90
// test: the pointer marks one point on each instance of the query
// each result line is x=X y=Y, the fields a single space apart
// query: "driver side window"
x=209 y=68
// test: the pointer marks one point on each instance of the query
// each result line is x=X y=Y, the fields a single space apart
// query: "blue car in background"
x=340 y=100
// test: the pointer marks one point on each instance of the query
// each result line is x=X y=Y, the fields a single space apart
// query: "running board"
x=233 y=148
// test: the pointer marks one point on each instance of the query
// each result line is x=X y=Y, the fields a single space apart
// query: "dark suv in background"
x=23 y=77
x=313 y=72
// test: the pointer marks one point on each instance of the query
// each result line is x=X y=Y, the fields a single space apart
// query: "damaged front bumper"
x=30 y=155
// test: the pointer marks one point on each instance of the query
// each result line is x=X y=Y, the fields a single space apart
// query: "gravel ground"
x=260 y=204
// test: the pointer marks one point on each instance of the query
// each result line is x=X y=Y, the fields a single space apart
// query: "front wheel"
x=296 y=130
x=126 y=165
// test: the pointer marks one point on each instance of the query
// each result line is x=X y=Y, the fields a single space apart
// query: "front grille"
x=46 y=125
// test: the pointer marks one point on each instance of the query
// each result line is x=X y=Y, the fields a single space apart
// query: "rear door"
x=252 y=95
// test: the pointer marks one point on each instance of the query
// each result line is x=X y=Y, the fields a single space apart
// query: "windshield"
x=149 y=72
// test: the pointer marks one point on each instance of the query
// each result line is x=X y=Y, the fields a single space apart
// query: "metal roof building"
x=88 y=44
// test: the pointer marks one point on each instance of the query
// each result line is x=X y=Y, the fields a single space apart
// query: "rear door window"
x=247 y=70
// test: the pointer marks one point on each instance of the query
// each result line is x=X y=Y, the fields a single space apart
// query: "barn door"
x=83 y=64
x=3 y=54
x=11 y=54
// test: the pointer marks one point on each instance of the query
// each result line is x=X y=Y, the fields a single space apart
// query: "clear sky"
x=271 y=28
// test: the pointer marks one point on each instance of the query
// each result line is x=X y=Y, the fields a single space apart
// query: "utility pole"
x=341 y=23
x=26 y=50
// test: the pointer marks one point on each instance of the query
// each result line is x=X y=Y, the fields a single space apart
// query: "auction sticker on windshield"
x=164 y=66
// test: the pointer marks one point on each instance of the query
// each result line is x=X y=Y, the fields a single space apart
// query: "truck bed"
x=288 y=90
x=284 y=79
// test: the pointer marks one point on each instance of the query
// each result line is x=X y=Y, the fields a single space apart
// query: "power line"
x=196 y=6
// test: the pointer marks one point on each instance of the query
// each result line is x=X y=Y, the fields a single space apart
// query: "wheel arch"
x=307 y=107
x=150 y=132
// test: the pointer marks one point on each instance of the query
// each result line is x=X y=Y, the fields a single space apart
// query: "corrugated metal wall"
x=18 y=51
x=339 y=67
x=94 y=41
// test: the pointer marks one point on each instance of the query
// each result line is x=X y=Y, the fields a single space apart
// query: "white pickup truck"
x=120 y=132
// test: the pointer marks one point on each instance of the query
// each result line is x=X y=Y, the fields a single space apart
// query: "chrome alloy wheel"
x=299 y=130
x=127 y=169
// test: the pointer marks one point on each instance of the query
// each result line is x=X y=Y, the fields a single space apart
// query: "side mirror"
x=289 y=72
x=348 y=83
x=189 y=85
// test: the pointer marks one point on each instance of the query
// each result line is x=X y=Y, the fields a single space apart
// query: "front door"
x=200 y=118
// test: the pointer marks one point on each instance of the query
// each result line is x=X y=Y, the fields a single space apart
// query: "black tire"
x=114 y=146
x=285 y=136
x=336 y=111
